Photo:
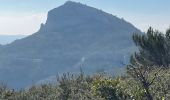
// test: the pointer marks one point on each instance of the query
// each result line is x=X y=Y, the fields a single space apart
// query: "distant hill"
x=6 y=39
x=74 y=36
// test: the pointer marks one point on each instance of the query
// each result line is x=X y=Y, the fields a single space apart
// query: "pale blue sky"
x=25 y=16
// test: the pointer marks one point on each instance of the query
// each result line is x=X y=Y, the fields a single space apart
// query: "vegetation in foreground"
x=147 y=78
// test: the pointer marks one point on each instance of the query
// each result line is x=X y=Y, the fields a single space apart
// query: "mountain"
x=74 y=36
x=6 y=39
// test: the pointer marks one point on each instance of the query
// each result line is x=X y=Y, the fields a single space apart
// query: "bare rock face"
x=74 y=35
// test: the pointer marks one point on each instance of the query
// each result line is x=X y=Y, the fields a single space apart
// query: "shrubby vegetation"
x=147 y=78
x=97 y=87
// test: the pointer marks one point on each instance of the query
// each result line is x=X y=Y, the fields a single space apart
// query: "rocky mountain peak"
x=74 y=35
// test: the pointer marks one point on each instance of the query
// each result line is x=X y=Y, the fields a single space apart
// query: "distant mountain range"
x=6 y=39
x=74 y=36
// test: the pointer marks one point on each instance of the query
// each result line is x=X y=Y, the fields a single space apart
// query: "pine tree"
x=153 y=56
x=154 y=48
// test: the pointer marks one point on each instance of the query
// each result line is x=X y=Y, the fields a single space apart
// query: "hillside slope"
x=74 y=35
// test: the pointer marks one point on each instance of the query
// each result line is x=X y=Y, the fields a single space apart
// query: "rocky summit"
x=74 y=36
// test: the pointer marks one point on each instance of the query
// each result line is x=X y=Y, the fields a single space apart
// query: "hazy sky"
x=25 y=16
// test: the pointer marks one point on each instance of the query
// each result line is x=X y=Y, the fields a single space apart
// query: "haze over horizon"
x=25 y=17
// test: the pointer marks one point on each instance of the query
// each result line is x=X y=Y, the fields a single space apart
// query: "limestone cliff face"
x=74 y=35
x=75 y=16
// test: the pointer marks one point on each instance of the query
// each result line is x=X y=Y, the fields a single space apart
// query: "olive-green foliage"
x=158 y=89
x=76 y=87
x=108 y=88
x=132 y=88
x=68 y=87
x=95 y=87
x=161 y=86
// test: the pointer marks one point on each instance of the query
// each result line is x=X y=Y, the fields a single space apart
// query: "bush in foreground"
x=96 y=87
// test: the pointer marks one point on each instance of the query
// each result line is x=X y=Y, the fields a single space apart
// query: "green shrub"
x=95 y=87
x=108 y=88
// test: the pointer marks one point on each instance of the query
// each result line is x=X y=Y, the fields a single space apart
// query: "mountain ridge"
x=7 y=39
x=74 y=35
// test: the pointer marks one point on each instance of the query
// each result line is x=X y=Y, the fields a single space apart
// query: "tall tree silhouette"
x=154 y=48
